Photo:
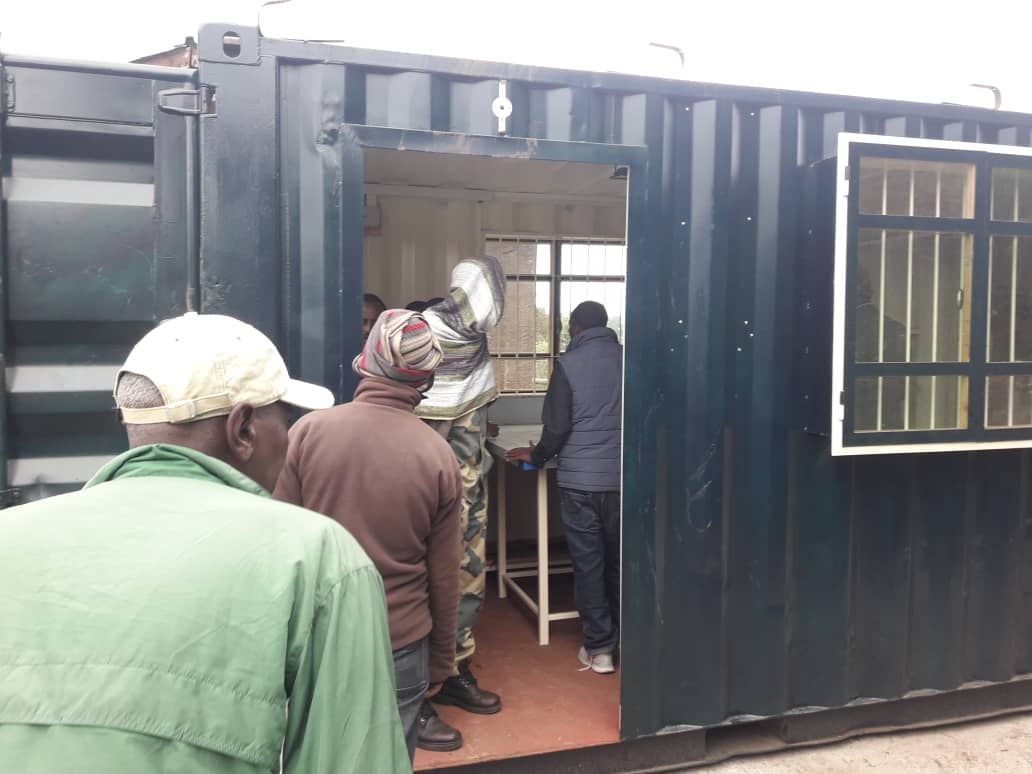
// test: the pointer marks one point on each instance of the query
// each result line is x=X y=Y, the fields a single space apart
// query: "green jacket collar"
x=167 y=460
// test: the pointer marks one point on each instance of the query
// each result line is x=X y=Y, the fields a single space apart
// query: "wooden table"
x=512 y=437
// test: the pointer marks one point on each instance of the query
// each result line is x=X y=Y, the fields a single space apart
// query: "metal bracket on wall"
x=188 y=102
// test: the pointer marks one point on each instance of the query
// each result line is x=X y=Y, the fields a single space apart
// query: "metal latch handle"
x=203 y=101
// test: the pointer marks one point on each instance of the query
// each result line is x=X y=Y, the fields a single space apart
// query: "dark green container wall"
x=760 y=575
x=783 y=579
x=93 y=241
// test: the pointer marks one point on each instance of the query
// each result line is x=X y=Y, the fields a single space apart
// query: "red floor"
x=547 y=703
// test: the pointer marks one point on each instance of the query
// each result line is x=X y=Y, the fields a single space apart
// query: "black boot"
x=462 y=691
x=434 y=733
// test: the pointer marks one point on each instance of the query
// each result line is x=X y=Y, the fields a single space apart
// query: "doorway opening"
x=559 y=231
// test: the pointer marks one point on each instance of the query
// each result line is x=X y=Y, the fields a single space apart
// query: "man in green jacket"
x=171 y=616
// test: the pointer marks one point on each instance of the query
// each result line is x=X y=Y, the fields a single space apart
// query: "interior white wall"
x=422 y=238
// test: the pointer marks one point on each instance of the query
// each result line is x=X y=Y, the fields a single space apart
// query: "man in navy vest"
x=581 y=417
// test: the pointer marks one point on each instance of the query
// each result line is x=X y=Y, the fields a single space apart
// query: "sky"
x=903 y=49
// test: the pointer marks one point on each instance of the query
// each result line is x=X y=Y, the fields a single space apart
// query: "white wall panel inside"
x=426 y=212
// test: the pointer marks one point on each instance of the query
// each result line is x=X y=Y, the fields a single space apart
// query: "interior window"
x=545 y=280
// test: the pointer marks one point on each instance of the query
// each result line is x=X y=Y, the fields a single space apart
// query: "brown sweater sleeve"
x=442 y=559
x=288 y=486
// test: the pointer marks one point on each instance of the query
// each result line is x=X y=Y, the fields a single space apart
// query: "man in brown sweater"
x=394 y=483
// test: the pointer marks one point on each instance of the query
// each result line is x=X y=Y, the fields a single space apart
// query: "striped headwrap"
x=401 y=348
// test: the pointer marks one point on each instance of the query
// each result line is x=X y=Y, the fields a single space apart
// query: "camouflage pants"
x=467 y=436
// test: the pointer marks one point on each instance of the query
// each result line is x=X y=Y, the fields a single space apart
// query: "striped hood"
x=464 y=380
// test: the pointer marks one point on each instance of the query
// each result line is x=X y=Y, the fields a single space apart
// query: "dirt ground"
x=989 y=747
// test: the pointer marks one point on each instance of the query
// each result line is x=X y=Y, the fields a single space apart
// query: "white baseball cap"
x=205 y=364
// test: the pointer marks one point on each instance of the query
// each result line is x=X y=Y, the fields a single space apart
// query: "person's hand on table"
x=492 y=430
x=522 y=454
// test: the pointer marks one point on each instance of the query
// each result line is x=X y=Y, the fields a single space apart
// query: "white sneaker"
x=601 y=663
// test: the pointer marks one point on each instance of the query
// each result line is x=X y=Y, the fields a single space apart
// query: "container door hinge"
x=188 y=102
x=8 y=91
x=9 y=497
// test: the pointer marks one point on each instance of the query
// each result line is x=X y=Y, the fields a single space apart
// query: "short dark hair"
x=434 y=302
x=416 y=306
x=372 y=298
x=589 y=314
x=137 y=392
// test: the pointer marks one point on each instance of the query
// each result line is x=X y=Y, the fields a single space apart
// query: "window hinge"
x=188 y=102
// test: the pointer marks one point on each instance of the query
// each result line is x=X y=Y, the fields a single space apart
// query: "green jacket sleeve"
x=343 y=714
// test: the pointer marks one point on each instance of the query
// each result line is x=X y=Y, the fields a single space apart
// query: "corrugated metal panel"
x=94 y=245
x=760 y=575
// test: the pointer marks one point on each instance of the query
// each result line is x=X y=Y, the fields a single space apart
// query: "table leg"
x=502 y=535
x=542 y=539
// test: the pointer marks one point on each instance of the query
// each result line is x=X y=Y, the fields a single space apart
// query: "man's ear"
x=240 y=431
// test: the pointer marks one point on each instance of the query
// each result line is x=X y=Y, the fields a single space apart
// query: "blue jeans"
x=591 y=521
x=411 y=678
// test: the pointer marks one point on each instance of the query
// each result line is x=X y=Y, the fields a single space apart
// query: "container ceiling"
x=440 y=170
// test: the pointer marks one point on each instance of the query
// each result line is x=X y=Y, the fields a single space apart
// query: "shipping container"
x=787 y=548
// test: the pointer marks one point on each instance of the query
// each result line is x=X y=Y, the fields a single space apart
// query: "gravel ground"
x=988 y=747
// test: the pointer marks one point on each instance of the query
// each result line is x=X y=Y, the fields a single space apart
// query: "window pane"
x=1012 y=195
x=544 y=258
x=897 y=189
x=894 y=297
x=912 y=296
x=1001 y=267
x=922 y=297
x=525 y=327
x=865 y=404
x=910 y=403
x=893 y=399
x=515 y=375
x=929 y=189
x=573 y=258
x=952 y=314
x=1008 y=401
x=1010 y=299
x=868 y=295
x=593 y=259
x=872 y=186
x=613 y=299
x=521 y=257
x=957 y=192
x=522 y=374
x=951 y=402
x=573 y=292
x=543 y=372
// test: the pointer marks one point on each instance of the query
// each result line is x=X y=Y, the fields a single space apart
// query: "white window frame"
x=845 y=187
